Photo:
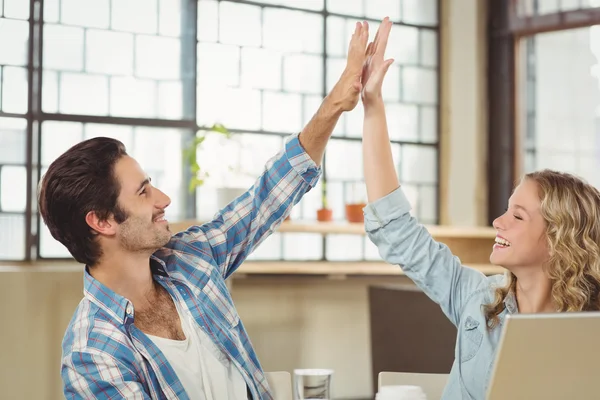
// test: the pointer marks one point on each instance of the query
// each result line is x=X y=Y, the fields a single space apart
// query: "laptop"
x=548 y=356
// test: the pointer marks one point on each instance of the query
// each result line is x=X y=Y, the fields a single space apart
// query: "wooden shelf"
x=356 y=268
x=321 y=268
x=346 y=228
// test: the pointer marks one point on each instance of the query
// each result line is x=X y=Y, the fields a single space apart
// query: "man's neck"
x=534 y=291
x=128 y=275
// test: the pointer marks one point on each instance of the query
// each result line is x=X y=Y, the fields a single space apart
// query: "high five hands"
x=375 y=67
x=365 y=67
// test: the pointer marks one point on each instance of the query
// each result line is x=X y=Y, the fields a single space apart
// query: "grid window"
x=272 y=77
x=13 y=187
x=121 y=65
x=559 y=86
x=525 y=8
x=152 y=73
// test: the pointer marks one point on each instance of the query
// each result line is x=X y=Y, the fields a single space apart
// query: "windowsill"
x=283 y=268
x=347 y=228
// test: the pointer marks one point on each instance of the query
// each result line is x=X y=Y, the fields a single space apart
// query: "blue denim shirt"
x=460 y=291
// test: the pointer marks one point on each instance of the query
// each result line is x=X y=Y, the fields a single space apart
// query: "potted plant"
x=190 y=154
x=226 y=173
x=324 y=214
x=354 y=207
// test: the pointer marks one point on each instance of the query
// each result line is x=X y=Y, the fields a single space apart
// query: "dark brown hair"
x=79 y=181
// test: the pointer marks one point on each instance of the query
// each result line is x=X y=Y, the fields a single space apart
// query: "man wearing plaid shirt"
x=156 y=320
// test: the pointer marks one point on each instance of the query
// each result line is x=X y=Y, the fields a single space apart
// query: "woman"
x=548 y=240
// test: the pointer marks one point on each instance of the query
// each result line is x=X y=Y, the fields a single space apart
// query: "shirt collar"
x=117 y=306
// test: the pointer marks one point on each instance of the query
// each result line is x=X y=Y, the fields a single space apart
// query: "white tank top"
x=204 y=371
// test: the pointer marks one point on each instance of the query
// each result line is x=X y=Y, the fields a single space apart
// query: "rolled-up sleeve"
x=401 y=240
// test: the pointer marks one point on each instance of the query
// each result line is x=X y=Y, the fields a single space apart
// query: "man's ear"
x=106 y=227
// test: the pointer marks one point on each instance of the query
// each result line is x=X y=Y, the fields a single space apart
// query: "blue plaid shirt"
x=106 y=357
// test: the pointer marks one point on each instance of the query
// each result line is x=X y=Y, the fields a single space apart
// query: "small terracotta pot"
x=325 y=215
x=354 y=212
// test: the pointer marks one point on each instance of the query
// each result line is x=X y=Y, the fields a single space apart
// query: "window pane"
x=392 y=88
x=261 y=68
x=335 y=67
x=282 y=112
x=13 y=141
x=93 y=88
x=347 y=7
x=269 y=250
x=208 y=20
x=419 y=164
x=12 y=237
x=13 y=188
x=50 y=91
x=122 y=70
x=354 y=121
x=403 y=121
x=63 y=48
x=302 y=246
x=51 y=11
x=170 y=18
x=101 y=43
x=420 y=12
x=18 y=9
x=429 y=127
x=377 y=8
x=336 y=36
x=14 y=40
x=157 y=57
x=132 y=97
x=88 y=13
x=344 y=247
x=232 y=16
x=428 y=204
x=292 y=31
x=145 y=12
x=428 y=48
x=344 y=160
x=58 y=137
x=419 y=85
x=14 y=90
x=306 y=4
x=406 y=45
x=303 y=74
x=224 y=73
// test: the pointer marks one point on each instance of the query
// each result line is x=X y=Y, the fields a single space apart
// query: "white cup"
x=401 y=392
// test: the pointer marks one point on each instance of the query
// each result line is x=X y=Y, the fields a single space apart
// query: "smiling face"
x=521 y=231
x=144 y=228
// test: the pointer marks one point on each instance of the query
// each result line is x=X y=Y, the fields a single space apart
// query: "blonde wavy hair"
x=571 y=210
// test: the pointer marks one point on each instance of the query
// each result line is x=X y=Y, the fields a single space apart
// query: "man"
x=157 y=320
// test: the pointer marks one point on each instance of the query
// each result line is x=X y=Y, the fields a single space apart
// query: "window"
x=558 y=89
x=562 y=94
x=259 y=68
x=270 y=80
x=544 y=59
x=527 y=8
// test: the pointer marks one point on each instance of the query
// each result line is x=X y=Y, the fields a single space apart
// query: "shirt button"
x=129 y=309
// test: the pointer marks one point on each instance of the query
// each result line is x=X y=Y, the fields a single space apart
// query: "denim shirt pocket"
x=471 y=338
